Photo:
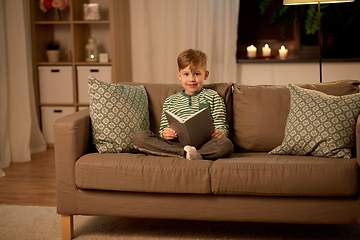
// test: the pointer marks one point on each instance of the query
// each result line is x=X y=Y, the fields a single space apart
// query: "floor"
x=31 y=183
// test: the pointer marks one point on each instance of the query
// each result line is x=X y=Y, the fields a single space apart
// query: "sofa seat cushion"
x=141 y=173
x=274 y=175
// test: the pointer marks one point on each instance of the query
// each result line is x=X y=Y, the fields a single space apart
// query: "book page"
x=195 y=114
x=174 y=116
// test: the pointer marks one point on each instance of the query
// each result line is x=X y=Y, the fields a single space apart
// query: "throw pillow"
x=117 y=112
x=259 y=112
x=319 y=124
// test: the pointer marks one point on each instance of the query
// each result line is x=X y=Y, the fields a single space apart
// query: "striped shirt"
x=185 y=105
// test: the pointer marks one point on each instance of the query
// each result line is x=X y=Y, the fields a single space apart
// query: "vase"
x=52 y=55
x=57 y=15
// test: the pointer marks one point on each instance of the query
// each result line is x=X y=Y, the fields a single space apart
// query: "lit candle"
x=266 y=51
x=283 y=52
x=251 y=51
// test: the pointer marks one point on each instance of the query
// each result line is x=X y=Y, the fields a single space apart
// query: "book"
x=195 y=130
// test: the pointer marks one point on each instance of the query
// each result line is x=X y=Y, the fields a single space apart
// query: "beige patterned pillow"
x=319 y=124
x=117 y=112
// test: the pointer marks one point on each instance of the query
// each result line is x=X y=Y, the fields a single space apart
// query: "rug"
x=38 y=223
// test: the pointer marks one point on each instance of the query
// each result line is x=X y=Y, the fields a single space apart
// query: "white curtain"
x=19 y=132
x=161 y=29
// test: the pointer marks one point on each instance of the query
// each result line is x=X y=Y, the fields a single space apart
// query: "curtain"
x=4 y=137
x=20 y=135
x=161 y=29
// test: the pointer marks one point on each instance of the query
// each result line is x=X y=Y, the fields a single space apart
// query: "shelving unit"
x=112 y=34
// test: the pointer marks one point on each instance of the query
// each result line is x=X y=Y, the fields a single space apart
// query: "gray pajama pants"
x=150 y=143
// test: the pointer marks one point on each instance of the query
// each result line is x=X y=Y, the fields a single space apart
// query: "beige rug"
x=38 y=223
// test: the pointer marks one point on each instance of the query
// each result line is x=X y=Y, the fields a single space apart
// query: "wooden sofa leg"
x=67 y=227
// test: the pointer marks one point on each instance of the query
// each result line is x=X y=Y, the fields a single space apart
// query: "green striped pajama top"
x=185 y=105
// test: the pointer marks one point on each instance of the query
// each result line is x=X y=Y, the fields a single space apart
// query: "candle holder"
x=91 y=51
x=251 y=51
x=266 y=51
x=283 y=52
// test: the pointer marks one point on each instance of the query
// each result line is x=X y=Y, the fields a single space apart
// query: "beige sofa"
x=250 y=186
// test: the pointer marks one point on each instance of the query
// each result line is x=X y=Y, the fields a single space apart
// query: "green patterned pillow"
x=117 y=112
x=319 y=124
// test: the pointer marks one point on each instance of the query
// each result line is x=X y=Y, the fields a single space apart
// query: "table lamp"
x=299 y=2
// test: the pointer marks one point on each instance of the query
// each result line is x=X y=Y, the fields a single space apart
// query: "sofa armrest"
x=71 y=141
x=357 y=143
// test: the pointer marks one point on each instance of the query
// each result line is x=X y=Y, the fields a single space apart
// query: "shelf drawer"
x=48 y=117
x=102 y=73
x=56 y=84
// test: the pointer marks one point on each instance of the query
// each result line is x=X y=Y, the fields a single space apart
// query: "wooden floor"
x=31 y=183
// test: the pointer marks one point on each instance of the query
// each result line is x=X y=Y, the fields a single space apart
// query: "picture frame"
x=91 y=11
x=103 y=57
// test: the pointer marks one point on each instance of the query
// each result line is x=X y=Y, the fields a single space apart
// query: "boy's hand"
x=169 y=134
x=217 y=134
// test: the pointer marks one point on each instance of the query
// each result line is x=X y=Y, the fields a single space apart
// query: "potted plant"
x=337 y=20
x=338 y=25
x=52 y=50
x=291 y=15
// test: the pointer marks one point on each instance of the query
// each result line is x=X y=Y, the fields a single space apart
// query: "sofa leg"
x=67 y=227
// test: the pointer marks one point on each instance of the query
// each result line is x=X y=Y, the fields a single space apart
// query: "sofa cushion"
x=158 y=92
x=260 y=112
x=141 y=173
x=117 y=112
x=258 y=173
x=319 y=124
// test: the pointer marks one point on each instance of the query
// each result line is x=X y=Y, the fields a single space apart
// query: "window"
x=255 y=28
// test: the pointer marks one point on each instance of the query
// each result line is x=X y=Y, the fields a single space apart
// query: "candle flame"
x=282 y=47
x=266 y=46
x=252 y=47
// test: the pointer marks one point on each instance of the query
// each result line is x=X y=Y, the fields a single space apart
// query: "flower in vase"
x=58 y=4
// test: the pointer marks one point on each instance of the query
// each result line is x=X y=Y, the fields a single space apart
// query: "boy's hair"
x=191 y=57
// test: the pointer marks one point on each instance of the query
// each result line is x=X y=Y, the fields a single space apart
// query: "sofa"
x=249 y=186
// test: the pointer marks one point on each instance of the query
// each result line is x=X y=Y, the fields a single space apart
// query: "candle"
x=266 y=51
x=283 y=52
x=251 y=51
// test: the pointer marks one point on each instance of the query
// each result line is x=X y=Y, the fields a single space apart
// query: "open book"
x=195 y=130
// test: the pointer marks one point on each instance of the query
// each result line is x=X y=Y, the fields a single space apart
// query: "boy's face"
x=193 y=79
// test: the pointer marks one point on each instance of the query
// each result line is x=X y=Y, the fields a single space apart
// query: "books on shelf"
x=195 y=130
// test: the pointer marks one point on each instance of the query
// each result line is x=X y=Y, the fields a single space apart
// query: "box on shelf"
x=48 y=117
x=102 y=73
x=56 y=84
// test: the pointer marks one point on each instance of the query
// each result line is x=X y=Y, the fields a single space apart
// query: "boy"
x=192 y=74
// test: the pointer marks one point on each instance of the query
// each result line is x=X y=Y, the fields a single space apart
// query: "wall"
x=282 y=73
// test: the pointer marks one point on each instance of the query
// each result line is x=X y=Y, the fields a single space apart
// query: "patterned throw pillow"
x=319 y=124
x=117 y=112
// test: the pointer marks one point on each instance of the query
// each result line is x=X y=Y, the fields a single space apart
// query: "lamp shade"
x=298 y=2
